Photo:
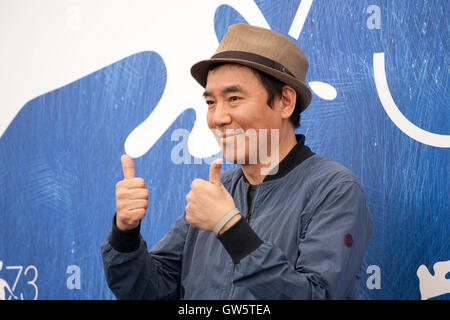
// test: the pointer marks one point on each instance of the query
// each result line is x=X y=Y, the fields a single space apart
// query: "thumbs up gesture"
x=131 y=197
x=209 y=201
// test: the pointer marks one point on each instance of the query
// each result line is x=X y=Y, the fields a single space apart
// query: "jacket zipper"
x=227 y=295
x=247 y=216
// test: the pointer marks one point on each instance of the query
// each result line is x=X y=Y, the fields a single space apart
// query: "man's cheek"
x=209 y=119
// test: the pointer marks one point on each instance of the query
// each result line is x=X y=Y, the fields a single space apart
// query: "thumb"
x=214 y=171
x=127 y=166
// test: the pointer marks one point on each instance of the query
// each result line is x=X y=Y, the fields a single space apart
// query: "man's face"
x=238 y=112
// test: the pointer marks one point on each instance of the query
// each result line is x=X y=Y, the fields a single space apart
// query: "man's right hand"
x=131 y=197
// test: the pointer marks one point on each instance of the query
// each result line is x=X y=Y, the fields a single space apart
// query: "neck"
x=255 y=173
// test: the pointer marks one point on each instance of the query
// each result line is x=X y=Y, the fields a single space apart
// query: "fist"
x=209 y=201
x=131 y=197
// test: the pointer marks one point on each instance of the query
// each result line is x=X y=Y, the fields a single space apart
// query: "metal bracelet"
x=227 y=217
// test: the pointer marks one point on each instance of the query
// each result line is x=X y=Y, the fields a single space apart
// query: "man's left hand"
x=209 y=201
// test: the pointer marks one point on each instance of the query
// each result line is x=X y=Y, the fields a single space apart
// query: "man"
x=290 y=226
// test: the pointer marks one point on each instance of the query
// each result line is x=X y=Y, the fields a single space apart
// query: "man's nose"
x=221 y=115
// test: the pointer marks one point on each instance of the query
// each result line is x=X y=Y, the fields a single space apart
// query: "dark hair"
x=274 y=88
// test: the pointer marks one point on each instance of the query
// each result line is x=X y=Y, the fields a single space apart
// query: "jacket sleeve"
x=134 y=273
x=331 y=250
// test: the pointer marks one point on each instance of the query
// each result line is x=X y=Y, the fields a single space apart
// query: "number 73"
x=32 y=282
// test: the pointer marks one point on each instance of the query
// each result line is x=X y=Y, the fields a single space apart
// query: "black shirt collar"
x=299 y=153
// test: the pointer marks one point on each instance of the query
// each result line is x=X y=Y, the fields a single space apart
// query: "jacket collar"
x=299 y=153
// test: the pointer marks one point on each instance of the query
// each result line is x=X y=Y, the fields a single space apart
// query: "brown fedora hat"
x=264 y=50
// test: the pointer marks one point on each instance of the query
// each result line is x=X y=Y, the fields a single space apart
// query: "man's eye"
x=234 y=98
x=209 y=102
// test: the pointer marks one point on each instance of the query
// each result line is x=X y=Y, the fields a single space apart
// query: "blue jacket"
x=306 y=238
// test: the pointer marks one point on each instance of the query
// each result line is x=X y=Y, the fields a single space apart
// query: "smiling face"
x=238 y=112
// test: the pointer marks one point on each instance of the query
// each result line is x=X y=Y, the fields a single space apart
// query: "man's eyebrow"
x=230 y=89
x=233 y=88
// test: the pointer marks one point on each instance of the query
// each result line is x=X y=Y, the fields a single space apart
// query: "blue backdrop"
x=60 y=156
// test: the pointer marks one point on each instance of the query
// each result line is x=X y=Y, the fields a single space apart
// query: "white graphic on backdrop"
x=410 y=129
x=323 y=90
x=434 y=285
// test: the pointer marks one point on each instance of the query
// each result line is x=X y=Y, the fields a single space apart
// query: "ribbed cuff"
x=240 y=240
x=125 y=240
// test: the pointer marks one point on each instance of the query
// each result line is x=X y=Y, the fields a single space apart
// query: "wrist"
x=230 y=223
x=124 y=240
x=126 y=227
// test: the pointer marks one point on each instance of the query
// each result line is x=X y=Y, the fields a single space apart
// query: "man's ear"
x=288 y=100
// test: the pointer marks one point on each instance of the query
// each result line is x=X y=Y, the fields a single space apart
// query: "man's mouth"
x=228 y=136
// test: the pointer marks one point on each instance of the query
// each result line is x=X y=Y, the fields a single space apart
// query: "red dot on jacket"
x=348 y=240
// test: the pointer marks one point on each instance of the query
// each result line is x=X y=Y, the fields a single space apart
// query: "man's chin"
x=239 y=154
x=232 y=157
x=237 y=159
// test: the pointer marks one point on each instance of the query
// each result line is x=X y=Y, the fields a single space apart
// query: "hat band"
x=252 y=57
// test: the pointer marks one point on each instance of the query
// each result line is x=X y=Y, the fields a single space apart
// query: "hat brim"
x=199 y=72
